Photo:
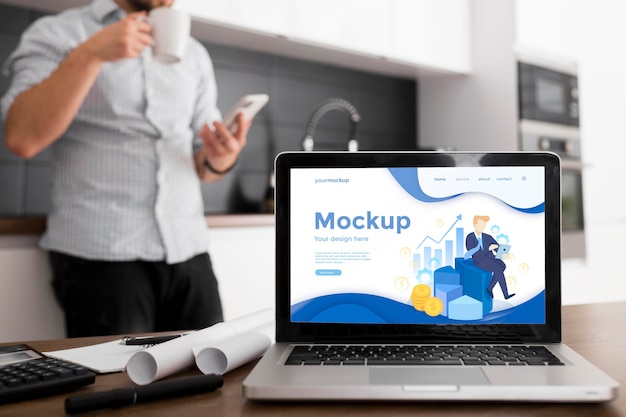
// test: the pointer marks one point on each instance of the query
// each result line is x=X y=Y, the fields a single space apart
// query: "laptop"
x=384 y=293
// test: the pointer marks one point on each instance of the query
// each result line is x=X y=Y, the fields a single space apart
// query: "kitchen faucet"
x=324 y=107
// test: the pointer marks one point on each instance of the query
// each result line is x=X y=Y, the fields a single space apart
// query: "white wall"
x=593 y=33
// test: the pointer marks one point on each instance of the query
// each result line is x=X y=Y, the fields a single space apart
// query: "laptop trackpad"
x=428 y=376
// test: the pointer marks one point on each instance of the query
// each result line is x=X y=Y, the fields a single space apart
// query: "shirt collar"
x=103 y=9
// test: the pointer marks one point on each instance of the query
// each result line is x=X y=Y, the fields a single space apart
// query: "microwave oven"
x=548 y=94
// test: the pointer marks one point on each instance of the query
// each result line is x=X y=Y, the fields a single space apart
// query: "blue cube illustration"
x=447 y=293
x=465 y=308
x=475 y=282
x=448 y=276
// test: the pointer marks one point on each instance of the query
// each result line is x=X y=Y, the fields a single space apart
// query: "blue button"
x=328 y=272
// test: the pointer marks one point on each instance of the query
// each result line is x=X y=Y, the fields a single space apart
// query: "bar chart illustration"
x=436 y=252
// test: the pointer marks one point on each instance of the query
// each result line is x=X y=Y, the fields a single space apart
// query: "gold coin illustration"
x=421 y=291
x=401 y=283
x=419 y=302
x=405 y=252
x=511 y=282
x=419 y=295
x=419 y=306
x=433 y=306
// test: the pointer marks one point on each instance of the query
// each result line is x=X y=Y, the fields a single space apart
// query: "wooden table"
x=596 y=331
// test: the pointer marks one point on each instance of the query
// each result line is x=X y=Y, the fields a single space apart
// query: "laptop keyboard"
x=480 y=355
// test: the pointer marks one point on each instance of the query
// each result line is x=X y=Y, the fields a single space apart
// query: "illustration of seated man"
x=480 y=247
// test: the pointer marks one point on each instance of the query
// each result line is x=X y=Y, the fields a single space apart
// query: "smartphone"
x=249 y=105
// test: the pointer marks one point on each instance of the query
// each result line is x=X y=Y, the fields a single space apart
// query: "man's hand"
x=124 y=39
x=221 y=148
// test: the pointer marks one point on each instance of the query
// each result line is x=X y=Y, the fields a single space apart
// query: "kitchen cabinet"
x=432 y=33
x=406 y=38
x=243 y=258
x=362 y=26
x=479 y=112
x=241 y=249
x=269 y=16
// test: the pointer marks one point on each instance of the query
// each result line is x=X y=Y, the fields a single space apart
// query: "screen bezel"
x=287 y=331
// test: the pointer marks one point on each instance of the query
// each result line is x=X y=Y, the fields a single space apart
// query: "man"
x=130 y=139
x=480 y=247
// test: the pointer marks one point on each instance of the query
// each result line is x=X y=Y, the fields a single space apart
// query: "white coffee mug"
x=170 y=32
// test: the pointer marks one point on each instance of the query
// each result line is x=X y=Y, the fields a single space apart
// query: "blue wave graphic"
x=531 y=210
x=407 y=178
x=373 y=309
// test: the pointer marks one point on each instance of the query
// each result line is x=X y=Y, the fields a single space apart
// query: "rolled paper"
x=229 y=354
x=175 y=355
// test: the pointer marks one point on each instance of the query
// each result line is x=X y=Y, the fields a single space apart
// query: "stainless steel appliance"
x=550 y=121
x=548 y=94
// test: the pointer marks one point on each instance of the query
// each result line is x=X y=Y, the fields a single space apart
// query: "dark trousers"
x=111 y=298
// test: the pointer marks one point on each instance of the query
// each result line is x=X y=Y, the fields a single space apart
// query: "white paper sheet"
x=101 y=358
x=229 y=354
x=175 y=355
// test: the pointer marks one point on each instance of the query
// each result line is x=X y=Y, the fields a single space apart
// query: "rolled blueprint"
x=175 y=355
x=229 y=354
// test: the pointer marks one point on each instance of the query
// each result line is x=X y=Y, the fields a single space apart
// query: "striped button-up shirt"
x=124 y=185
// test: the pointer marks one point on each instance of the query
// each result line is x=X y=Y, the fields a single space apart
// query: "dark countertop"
x=36 y=225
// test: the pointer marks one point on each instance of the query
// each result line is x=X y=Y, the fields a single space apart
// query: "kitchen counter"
x=36 y=225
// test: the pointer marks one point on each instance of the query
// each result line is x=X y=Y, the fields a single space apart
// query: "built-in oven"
x=573 y=219
x=549 y=120
x=565 y=141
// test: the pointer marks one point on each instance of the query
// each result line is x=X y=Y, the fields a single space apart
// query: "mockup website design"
x=454 y=245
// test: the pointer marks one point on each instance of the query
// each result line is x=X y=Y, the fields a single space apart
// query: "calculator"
x=26 y=373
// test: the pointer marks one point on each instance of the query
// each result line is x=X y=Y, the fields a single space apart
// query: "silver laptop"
x=388 y=285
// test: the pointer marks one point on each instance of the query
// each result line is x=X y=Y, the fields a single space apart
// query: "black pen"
x=148 y=340
x=156 y=391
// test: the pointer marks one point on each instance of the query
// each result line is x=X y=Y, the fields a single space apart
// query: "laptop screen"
x=433 y=243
